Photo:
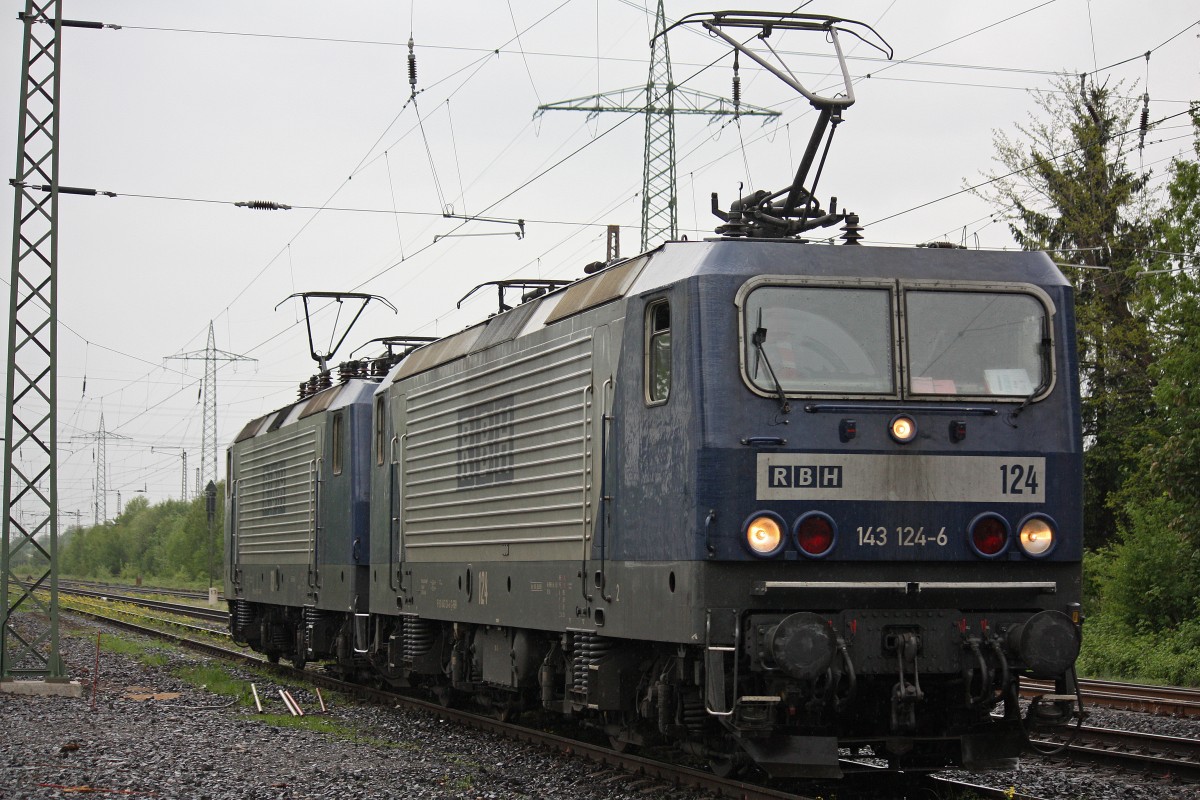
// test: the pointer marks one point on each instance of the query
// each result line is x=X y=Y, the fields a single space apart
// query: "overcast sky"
x=191 y=107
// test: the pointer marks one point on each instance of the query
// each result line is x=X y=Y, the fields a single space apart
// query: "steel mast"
x=208 y=444
x=30 y=407
x=660 y=100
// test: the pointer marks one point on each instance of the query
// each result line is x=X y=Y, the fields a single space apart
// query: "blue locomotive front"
x=861 y=469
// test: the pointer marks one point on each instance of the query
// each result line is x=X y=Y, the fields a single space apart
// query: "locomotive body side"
x=297 y=535
x=485 y=502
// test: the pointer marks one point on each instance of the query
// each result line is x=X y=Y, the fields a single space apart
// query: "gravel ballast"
x=154 y=735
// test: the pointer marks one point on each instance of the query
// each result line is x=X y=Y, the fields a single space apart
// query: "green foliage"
x=1113 y=650
x=1153 y=580
x=166 y=542
x=152 y=654
x=1071 y=190
x=1139 y=354
x=216 y=678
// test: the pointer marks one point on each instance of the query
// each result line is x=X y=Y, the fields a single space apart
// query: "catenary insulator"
x=1144 y=127
x=412 y=67
x=737 y=84
x=263 y=205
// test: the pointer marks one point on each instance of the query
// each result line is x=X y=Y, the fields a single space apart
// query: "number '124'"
x=1019 y=479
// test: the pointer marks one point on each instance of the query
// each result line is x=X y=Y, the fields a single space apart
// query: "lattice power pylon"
x=660 y=100
x=208 y=443
x=100 y=437
x=30 y=514
x=659 y=206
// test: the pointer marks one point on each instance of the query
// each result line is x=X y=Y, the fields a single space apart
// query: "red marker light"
x=989 y=535
x=815 y=534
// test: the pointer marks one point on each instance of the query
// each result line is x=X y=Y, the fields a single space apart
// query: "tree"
x=1153 y=580
x=1070 y=189
x=166 y=541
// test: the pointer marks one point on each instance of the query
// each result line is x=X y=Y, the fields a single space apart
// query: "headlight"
x=1036 y=536
x=764 y=534
x=903 y=429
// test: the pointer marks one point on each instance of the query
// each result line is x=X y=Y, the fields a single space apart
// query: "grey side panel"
x=495 y=457
x=277 y=497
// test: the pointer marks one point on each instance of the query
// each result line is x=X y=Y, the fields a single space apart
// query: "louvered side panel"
x=276 y=497
x=496 y=458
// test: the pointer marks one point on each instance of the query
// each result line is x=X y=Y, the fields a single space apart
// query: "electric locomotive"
x=761 y=498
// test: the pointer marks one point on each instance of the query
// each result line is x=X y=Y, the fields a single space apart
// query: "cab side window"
x=379 y=430
x=336 y=444
x=658 y=352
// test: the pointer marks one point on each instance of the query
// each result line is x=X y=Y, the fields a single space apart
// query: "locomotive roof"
x=676 y=261
x=673 y=262
x=336 y=397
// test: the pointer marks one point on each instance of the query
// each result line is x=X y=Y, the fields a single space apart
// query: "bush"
x=1113 y=649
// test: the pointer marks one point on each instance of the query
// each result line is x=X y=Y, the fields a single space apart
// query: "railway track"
x=1168 y=757
x=1174 y=701
x=675 y=775
x=1162 y=757
x=116 y=588
x=125 y=610
x=215 y=615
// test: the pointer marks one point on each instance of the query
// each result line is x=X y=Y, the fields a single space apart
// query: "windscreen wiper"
x=757 y=339
x=1044 y=381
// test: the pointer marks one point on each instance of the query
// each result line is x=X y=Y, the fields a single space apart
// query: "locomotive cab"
x=881 y=474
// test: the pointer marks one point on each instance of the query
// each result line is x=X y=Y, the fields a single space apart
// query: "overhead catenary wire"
x=521 y=49
x=915 y=61
x=980 y=185
x=431 y=216
x=477 y=66
x=959 y=37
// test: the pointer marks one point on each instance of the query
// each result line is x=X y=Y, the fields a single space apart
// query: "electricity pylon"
x=660 y=100
x=30 y=460
x=101 y=437
x=208 y=443
x=30 y=513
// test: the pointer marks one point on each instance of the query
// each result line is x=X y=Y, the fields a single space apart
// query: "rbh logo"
x=801 y=477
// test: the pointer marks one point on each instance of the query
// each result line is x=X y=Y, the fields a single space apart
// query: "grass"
x=214 y=677
x=152 y=654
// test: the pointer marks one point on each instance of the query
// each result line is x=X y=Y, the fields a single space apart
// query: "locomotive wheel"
x=726 y=766
x=620 y=724
x=298 y=662
x=502 y=708
x=443 y=695
x=621 y=745
x=273 y=658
